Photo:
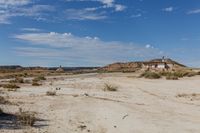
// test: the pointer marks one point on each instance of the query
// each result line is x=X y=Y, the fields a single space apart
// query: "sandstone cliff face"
x=118 y=67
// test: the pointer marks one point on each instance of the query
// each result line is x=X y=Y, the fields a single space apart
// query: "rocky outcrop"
x=118 y=67
x=134 y=66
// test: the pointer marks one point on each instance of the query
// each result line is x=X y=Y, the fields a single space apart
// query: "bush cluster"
x=150 y=75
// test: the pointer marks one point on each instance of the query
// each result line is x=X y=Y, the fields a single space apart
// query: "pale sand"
x=139 y=106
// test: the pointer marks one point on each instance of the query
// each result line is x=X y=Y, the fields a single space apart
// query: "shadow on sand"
x=9 y=121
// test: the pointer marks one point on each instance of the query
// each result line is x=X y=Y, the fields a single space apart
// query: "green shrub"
x=178 y=74
x=25 y=74
x=41 y=78
x=150 y=75
x=185 y=73
x=164 y=73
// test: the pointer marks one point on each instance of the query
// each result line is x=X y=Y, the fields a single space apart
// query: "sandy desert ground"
x=138 y=106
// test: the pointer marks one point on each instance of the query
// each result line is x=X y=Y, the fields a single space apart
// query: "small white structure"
x=161 y=66
x=158 y=64
x=60 y=69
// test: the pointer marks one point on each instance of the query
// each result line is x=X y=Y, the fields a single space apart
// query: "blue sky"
x=98 y=32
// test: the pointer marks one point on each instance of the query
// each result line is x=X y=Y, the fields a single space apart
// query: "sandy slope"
x=139 y=105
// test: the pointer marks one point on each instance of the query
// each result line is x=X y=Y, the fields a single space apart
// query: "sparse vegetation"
x=39 y=78
x=27 y=81
x=1 y=111
x=182 y=95
x=150 y=75
x=51 y=93
x=178 y=74
x=36 y=84
x=3 y=100
x=198 y=73
x=188 y=95
x=17 y=80
x=26 y=118
x=191 y=74
x=171 y=77
x=22 y=118
x=109 y=87
x=10 y=87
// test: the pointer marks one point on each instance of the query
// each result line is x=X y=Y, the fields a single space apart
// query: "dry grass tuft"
x=182 y=95
x=51 y=93
x=36 y=84
x=3 y=100
x=191 y=96
x=10 y=87
x=26 y=118
x=17 y=80
x=39 y=78
x=108 y=87
x=171 y=77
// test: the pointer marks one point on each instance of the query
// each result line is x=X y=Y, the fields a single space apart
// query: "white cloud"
x=22 y=8
x=93 y=13
x=83 y=50
x=196 y=11
x=112 y=4
x=34 y=11
x=31 y=29
x=168 y=9
x=39 y=52
x=148 y=46
x=184 y=39
x=29 y=8
x=4 y=19
x=119 y=7
x=136 y=15
x=106 y=4
x=84 y=14
x=6 y=3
